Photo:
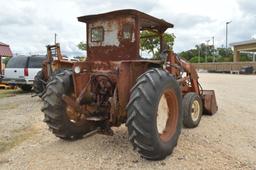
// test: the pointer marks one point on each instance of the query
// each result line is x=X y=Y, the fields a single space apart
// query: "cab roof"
x=147 y=22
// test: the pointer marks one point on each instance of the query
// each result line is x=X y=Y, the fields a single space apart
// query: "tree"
x=82 y=46
x=225 y=52
x=188 y=55
x=208 y=53
x=150 y=42
x=196 y=59
x=6 y=59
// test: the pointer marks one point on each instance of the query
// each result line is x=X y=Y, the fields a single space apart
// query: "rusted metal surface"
x=210 y=103
x=176 y=65
x=54 y=61
x=102 y=83
x=121 y=31
x=129 y=71
x=107 y=85
x=147 y=21
x=115 y=45
x=189 y=81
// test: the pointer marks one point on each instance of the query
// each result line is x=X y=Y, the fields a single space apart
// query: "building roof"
x=146 y=21
x=5 y=50
x=252 y=41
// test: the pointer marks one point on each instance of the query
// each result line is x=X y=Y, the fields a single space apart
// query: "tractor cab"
x=115 y=36
x=115 y=86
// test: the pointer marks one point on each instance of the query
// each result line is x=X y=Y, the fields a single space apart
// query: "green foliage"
x=80 y=58
x=188 y=55
x=197 y=59
x=200 y=50
x=223 y=52
x=82 y=46
x=224 y=59
x=150 y=42
x=246 y=57
x=209 y=58
x=208 y=53
x=6 y=59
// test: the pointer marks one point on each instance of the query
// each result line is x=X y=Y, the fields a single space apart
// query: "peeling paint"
x=112 y=31
x=110 y=34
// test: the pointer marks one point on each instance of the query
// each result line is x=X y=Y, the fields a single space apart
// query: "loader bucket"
x=209 y=102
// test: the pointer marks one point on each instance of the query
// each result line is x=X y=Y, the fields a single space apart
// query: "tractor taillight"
x=25 y=71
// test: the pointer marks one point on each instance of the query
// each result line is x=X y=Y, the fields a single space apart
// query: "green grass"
x=9 y=92
x=19 y=136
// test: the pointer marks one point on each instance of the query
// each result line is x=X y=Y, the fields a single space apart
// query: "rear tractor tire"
x=154 y=114
x=55 y=109
x=192 y=110
x=38 y=85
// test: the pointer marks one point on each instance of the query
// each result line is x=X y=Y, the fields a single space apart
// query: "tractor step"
x=92 y=132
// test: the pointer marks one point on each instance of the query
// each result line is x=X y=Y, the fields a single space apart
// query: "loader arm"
x=189 y=82
x=176 y=66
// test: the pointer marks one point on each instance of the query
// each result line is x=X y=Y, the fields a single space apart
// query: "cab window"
x=127 y=31
x=97 y=34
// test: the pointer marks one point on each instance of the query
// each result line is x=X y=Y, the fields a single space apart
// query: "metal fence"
x=224 y=66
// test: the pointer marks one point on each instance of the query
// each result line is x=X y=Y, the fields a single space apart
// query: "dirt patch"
x=9 y=106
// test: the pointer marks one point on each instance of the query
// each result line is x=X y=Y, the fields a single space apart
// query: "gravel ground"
x=226 y=140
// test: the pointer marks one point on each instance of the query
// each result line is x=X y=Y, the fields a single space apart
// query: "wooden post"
x=161 y=43
x=0 y=65
x=236 y=55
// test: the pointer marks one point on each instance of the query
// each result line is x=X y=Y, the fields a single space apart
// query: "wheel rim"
x=195 y=111
x=167 y=115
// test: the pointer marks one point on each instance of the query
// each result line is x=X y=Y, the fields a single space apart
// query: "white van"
x=21 y=71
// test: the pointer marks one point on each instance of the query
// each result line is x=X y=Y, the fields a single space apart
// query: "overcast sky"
x=29 y=25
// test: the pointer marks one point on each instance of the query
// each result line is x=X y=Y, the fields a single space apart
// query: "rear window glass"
x=35 y=62
x=17 y=62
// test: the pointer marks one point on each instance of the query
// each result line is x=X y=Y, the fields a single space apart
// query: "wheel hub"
x=162 y=114
x=167 y=115
x=195 y=110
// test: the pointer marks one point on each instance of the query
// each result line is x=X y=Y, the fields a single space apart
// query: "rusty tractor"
x=53 y=64
x=154 y=98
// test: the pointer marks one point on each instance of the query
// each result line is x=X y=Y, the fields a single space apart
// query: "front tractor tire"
x=55 y=109
x=154 y=114
x=192 y=110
